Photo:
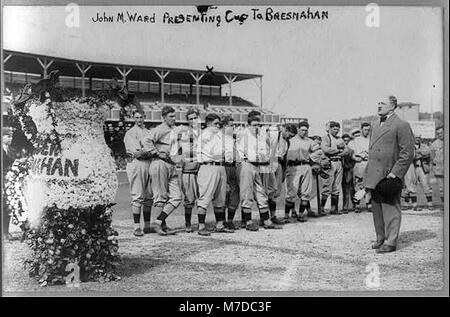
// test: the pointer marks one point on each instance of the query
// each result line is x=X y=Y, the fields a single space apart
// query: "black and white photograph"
x=224 y=150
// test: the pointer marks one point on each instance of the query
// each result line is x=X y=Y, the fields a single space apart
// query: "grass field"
x=324 y=254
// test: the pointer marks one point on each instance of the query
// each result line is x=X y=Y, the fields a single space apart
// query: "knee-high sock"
x=335 y=202
x=187 y=216
x=201 y=217
x=231 y=213
x=272 y=208
x=219 y=213
x=147 y=212
x=136 y=216
x=288 y=206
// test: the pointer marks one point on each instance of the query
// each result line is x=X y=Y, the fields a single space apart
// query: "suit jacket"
x=391 y=149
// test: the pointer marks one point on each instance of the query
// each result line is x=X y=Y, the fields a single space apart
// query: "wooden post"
x=45 y=64
x=83 y=68
x=230 y=80
x=197 y=78
x=163 y=74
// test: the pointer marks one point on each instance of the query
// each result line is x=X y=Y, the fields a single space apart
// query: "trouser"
x=138 y=173
x=232 y=196
x=348 y=189
x=332 y=185
x=165 y=186
x=299 y=183
x=414 y=176
x=189 y=187
x=212 y=186
x=251 y=187
x=387 y=218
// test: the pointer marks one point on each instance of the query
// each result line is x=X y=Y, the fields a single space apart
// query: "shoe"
x=159 y=230
x=261 y=223
x=243 y=225
x=357 y=210
x=273 y=226
x=169 y=231
x=294 y=215
x=377 y=245
x=333 y=212
x=223 y=230
x=189 y=229
x=138 y=232
x=286 y=218
x=386 y=249
x=339 y=212
x=148 y=230
x=204 y=232
x=345 y=211
x=302 y=219
x=252 y=227
x=230 y=225
x=322 y=213
x=276 y=221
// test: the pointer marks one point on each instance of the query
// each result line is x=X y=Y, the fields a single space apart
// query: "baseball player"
x=417 y=174
x=299 y=179
x=437 y=159
x=279 y=166
x=253 y=148
x=334 y=147
x=164 y=177
x=272 y=174
x=186 y=151
x=360 y=147
x=232 y=197
x=138 y=165
x=213 y=150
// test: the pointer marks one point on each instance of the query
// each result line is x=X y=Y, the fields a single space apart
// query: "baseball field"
x=327 y=254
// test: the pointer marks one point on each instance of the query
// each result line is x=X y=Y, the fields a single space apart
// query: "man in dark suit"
x=391 y=152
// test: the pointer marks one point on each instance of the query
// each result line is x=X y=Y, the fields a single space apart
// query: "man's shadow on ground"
x=408 y=238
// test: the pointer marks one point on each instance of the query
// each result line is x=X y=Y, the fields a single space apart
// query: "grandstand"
x=154 y=86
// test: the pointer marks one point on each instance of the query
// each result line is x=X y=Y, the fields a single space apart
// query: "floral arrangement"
x=15 y=200
x=62 y=195
x=83 y=237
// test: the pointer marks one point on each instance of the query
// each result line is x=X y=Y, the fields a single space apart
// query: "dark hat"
x=389 y=188
x=303 y=123
x=334 y=124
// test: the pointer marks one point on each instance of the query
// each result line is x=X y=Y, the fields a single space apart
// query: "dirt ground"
x=324 y=254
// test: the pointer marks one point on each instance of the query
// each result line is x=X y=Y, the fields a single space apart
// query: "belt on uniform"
x=168 y=161
x=259 y=163
x=297 y=163
x=336 y=159
x=230 y=164
x=214 y=163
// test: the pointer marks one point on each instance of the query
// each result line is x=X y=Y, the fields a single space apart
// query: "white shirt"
x=134 y=139
x=254 y=145
x=214 y=146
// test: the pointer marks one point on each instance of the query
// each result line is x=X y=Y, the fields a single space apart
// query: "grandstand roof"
x=27 y=63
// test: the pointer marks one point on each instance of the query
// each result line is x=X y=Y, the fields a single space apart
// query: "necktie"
x=383 y=119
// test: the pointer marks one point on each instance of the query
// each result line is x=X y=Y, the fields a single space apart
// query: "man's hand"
x=162 y=155
x=391 y=175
